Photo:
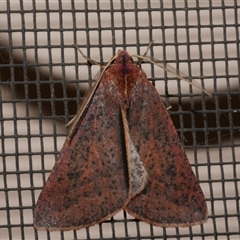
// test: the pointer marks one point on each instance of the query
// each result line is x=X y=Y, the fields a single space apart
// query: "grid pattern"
x=43 y=79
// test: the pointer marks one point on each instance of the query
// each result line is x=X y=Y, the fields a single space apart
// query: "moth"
x=122 y=153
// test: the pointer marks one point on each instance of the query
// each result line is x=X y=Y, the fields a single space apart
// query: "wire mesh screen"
x=44 y=78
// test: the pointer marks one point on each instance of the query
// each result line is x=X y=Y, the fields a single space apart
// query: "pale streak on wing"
x=136 y=172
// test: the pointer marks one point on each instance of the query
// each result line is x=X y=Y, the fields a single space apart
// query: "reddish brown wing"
x=88 y=183
x=172 y=196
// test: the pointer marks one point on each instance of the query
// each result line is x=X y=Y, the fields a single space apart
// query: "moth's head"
x=123 y=57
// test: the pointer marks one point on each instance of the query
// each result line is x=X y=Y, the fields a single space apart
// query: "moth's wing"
x=172 y=196
x=89 y=181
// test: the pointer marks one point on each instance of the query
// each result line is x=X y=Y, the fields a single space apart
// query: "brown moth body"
x=122 y=152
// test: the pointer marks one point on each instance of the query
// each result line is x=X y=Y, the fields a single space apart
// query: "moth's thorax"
x=124 y=75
